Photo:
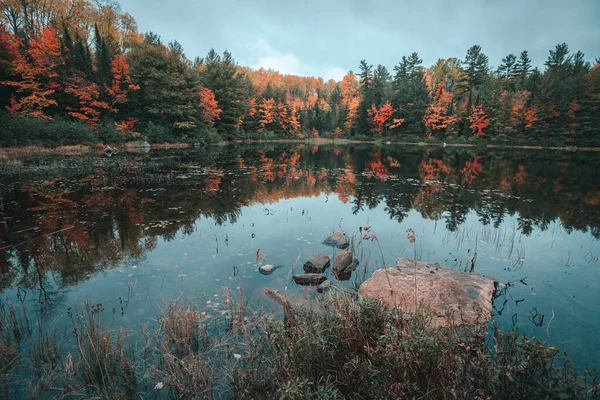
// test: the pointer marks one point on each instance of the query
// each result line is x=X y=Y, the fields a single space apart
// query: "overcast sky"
x=329 y=37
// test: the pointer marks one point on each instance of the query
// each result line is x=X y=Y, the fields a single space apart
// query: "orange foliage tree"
x=437 y=116
x=209 y=106
x=351 y=99
x=379 y=118
x=267 y=113
x=294 y=122
x=252 y=107
x=478 y=119
x=530 y=116
x=282 y=114
x=121 y=81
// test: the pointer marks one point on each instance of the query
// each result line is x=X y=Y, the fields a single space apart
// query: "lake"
x=134 y=230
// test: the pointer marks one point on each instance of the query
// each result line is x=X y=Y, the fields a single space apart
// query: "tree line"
x=79 y=71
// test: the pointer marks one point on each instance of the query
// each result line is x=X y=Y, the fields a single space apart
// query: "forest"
x=79 y=72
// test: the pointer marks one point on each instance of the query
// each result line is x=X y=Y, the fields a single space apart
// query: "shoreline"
x=135 y=146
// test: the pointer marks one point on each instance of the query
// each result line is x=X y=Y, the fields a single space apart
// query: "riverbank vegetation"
x=338 y=348
x=81 y=73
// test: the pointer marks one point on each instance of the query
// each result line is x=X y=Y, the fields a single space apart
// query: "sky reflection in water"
x=132 y=231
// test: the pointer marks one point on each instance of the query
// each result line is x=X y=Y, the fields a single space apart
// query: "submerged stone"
x=309 y=279
x=453 y=297
x=325 y=286
x=317 y=263
x=266 y=269
x=344 y=264
x=276 y=296
x=338 y=239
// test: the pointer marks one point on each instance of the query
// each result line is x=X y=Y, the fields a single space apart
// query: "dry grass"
x=338 y=348
x=157 y=146
x=34 y=150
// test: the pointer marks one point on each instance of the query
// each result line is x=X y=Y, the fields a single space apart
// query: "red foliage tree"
x=121 y=81
x=37 y=70
x=88 y=94
x=478 y=119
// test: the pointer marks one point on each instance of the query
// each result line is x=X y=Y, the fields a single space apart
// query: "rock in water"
x=309 y=279
x=338 y=240
x=266 y=269
x=452 y=296
x=325 y=286
x=317 y=263
x=344 y=264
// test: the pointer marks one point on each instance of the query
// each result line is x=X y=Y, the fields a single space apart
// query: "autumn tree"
x=209 y=106
x=438 y=115
x=267 y=113
x=37 y=73
x=90 y=107
x=478 y=120
x=381 y=118
x=351 y=99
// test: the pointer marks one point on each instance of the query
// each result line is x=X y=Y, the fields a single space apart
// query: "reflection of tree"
x=62 y=230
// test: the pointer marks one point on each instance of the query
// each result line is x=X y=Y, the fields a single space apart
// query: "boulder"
x=317 y=263
x=338 y=239
x=309 y=279
x=344 y=263
x=452 y=297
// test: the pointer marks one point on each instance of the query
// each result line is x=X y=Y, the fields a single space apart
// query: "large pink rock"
x=452 y=296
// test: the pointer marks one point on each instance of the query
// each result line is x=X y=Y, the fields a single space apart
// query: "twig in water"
x=549 y=322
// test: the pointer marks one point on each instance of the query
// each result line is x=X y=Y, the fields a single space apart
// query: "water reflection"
x=62 y=222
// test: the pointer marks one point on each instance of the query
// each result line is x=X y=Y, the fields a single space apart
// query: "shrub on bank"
x=24 y=131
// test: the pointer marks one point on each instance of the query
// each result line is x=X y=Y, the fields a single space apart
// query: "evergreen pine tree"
x=522 y=68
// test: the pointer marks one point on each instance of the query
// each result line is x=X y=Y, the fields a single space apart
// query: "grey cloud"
x=314 y=37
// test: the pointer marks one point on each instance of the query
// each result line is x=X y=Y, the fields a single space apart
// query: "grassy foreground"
x=341 y=348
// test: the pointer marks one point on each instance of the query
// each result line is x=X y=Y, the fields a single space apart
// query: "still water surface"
x=134 y=230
